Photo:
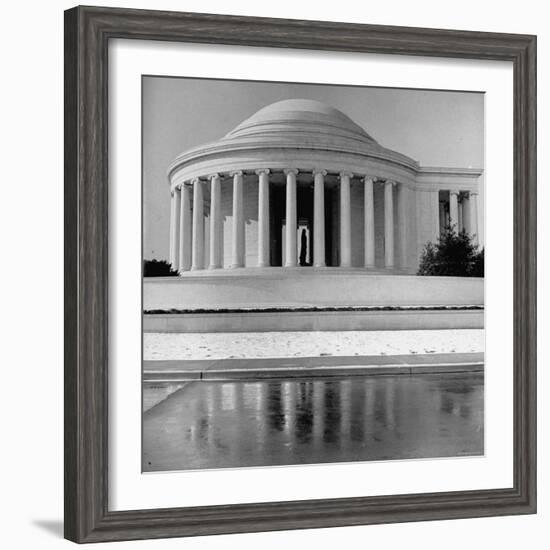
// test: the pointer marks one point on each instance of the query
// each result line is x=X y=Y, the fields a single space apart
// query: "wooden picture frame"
x=87 y=34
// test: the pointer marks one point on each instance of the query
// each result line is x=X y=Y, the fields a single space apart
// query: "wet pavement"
x=243 y=424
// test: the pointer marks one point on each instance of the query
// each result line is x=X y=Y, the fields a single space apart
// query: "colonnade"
x=464 y=217
x=187 y=243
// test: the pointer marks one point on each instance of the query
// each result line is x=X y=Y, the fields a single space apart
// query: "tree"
x=158 y=268
x=454 y=255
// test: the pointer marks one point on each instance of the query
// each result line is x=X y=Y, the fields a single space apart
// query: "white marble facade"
x=300 y=184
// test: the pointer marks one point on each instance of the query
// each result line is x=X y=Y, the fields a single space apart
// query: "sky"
x=436 y=128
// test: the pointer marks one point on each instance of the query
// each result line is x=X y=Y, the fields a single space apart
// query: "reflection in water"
x=304 y=412
x=275 y=407
x=230 y=424
x=332 y=412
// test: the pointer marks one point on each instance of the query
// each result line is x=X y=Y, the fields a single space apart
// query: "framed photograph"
x=300 y=274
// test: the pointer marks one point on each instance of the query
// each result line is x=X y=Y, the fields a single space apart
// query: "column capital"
x=319 y=171
x=213 y=175
x=288 y=171
x=262 y=171
x=346 y=173
x=366 y=178
x=236 y=173
x=473 y=193
x=454 y=192
x=194 y=181
x=390 y=182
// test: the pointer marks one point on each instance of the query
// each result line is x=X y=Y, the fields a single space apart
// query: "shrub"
x=158 y=268
x=455 y=254
x=478 y=266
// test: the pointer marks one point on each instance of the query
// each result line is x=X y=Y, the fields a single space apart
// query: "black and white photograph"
x=313 y=273
x=274 y=275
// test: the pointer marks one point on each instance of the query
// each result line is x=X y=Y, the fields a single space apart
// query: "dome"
x=300 y=118
x=303 y=132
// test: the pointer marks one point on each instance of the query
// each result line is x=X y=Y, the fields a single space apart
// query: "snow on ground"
x=236 y=345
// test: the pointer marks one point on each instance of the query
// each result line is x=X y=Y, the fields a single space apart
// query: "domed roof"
x=293 y=130
x=307 y=117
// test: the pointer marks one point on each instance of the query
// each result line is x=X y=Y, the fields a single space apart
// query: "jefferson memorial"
x=300 y=184
x=299 y=208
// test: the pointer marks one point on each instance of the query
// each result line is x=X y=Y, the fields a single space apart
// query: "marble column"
x=388 y=225
x=402 y=223
x=467 y=226
x=237 y=233
x=453 y=210
x=263 y=217
x=206 y=236
x=215 y=222
x=177 y=198
x=473 y=216
x=345 y=219
x=319 y=218
x=173 y=229
x=369 y=223
x=291 y=259
x=198 y=226
x=185 y=229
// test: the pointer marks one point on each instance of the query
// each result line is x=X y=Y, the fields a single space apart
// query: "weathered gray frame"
x=87 y=34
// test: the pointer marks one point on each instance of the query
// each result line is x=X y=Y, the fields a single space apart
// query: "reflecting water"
x=229 y=424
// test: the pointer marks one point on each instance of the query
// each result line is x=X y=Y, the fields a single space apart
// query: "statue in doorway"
x=303 y=247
